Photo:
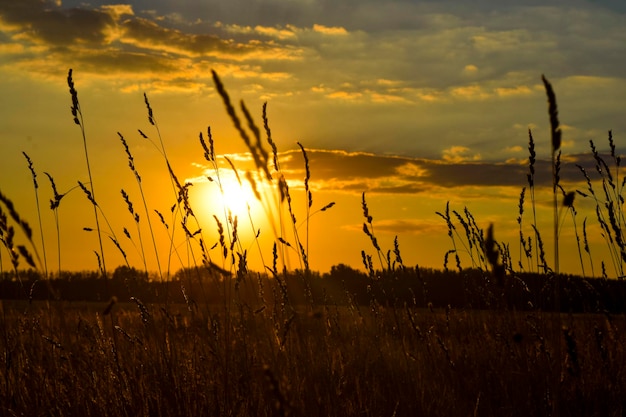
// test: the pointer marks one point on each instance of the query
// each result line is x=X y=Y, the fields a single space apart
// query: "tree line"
x=342 y=285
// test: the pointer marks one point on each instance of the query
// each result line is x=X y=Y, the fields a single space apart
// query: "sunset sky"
x=416 y=103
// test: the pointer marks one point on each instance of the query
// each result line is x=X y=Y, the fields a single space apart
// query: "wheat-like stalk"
x=78 y=119
x=31 y=168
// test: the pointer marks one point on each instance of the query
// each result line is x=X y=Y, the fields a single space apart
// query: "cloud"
x=333 y=31
x=118 y=10
x=345 y=95
x=149 y=35
x=405 y=227
x=276 y=32
x=470 y=69
x=513 y=91
x=357 y=172
x=400 y=74
x=459 y=154
x=34 y=21
x=434 y=49
x=514 y=149
x=113 y=37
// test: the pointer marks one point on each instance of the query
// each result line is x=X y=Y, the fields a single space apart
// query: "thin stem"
x=36 y=189
x=78 y=119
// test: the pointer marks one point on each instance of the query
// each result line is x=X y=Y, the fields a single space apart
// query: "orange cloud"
x=387 y=98
x=459 y=154
x=345 y=95
x=329 y=30
x=513 y=91
x=356 y=172
x=470 y=92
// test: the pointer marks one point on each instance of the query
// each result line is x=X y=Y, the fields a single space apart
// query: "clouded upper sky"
x=415 y=103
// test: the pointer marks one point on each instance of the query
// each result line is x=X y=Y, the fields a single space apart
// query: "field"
x=71 y=359
x=490 y=340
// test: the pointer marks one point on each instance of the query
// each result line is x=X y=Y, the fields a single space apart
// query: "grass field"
x=70 y=359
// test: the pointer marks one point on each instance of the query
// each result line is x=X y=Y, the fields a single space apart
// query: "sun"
x=237 y=198
x=232 y=194
x=238 y=202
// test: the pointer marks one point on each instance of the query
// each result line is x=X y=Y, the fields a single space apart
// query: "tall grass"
x=407 y=362
x=55 y=202
x=467 y=237
x=78 y=119
x=36 y=187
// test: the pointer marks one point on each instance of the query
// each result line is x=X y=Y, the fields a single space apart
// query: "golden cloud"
x=513 y=91
x=459 y=154
x=345 y=95
x=275 y=32
x=326 y=30
x=117 y=10
x=470 y=92
x=387 y=98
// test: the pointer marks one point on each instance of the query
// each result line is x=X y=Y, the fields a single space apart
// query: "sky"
x=418 y=104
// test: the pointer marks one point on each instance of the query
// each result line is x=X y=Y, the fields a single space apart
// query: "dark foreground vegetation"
x=405 y=343
x=265 y=356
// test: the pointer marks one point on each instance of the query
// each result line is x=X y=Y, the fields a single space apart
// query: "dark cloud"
x=90 y=33
x=368 y=15
x=42 y=21
x=333 y=165
x=399 y=189
x=612 y=5
x=409 y=226
x=151 y=35
x=360 y=172
x=122 y=62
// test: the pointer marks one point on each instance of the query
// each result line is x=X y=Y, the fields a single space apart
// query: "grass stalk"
x=36 y=189
x=78 y=119
x=531 y=186
x=555 y=133
x=136 y=217
x=54 y=206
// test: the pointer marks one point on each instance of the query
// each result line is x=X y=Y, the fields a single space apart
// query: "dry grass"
x=71 y=360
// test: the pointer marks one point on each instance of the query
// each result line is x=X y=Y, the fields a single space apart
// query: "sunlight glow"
x=232 y=194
